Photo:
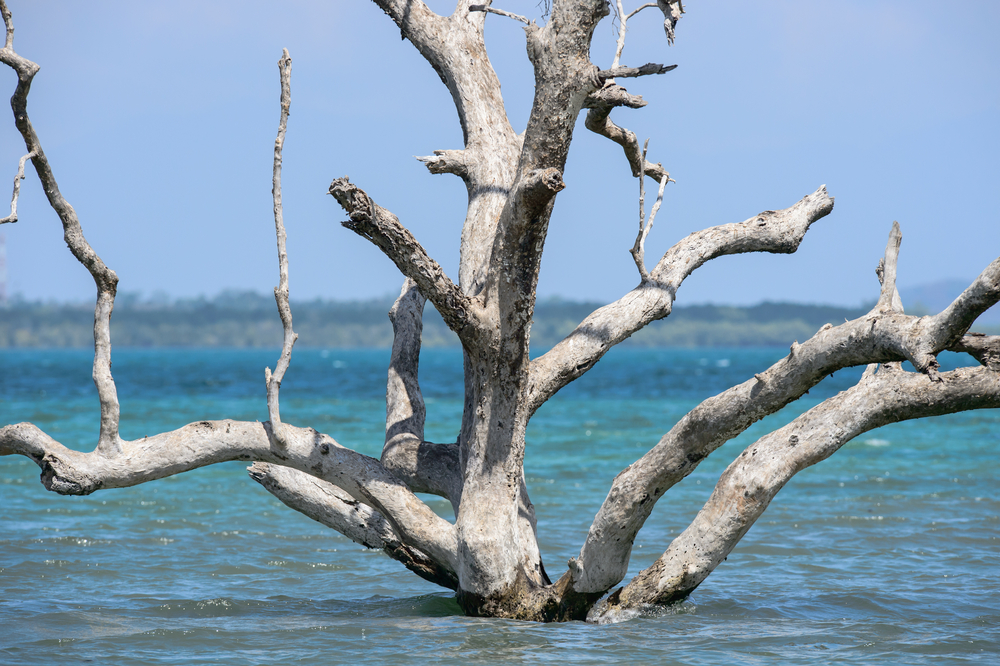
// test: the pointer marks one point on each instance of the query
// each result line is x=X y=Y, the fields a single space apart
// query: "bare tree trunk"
x=490 y=555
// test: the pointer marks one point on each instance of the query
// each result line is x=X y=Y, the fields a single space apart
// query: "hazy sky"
x=159 y=120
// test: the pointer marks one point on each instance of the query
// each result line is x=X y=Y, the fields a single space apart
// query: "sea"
x=886 y=553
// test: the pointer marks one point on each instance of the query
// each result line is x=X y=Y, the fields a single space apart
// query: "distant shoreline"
x=250 y=321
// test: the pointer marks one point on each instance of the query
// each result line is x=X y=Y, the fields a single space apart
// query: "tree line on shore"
x=248 y=319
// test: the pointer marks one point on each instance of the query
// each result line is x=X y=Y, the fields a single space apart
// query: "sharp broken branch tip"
x=633 y=72
x=12 y=218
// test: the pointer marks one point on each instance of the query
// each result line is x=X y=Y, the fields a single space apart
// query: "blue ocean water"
x=887 y=553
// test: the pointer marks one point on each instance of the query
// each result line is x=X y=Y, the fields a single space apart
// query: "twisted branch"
x=106 y=280
x=69 y=472
x=331 y=506
x=371 y=221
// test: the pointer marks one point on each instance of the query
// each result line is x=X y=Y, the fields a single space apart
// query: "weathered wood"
x=490 y=555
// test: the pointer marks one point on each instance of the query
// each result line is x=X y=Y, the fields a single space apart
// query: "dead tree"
x=490 y=554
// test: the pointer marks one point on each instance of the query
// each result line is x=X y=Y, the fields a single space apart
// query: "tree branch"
x=12 y=218
x=879 y=337
x=447 y=161
x=273 y=382
x=771 y=231
x=983 y=348
x=105 y=278
x=638 y=250
x=957 y=318
x=749 y=484
x=498 y=12
x=599 y=121
x=382 y=228
x=69 y=472
x=638 y=9
x=888 y=300
x=612 y=95
x=331 y=506
x=424 y=466
x=648 y=69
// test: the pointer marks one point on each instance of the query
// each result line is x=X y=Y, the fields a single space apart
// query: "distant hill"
x=248 y=319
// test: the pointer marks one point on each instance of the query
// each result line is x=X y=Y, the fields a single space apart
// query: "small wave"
x=875 y=441
x=602 y=615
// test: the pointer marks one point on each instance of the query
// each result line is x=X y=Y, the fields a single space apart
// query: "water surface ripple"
x=887 y=553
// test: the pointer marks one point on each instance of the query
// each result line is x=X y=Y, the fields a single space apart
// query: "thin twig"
x=648 y=5
x=17 y=189
x=281 y=291
x=623 y=19
x=8 y=22
x=499 y=12
x=638 y=250
x=652 y=216
x=621 y=35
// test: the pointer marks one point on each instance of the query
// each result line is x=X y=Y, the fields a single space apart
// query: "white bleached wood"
x=12 y=218
x=498 y=12
x=424 y=466
x=273 y=381
x=770 y=231
x=750 y=483
x=69 y=472
x=371 y=221
x=331 y=506
x=104 y=278
x=880 y=337
x=490 y=556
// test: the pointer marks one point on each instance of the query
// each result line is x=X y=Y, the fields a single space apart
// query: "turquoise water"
x=887 y=553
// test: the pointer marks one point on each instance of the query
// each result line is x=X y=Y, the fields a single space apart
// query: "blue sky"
x=159 y=120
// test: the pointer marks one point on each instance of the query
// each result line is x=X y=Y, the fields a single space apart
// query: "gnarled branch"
x=331 y=506
x=105 y=278
x=599 y=121
x=69 y=472
x=425 y=467
x=382 y=228
x=648 y=69
x=983 y=348
x=879 y=337
x=749 y=484
x=447 y=161
x=771 y=231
